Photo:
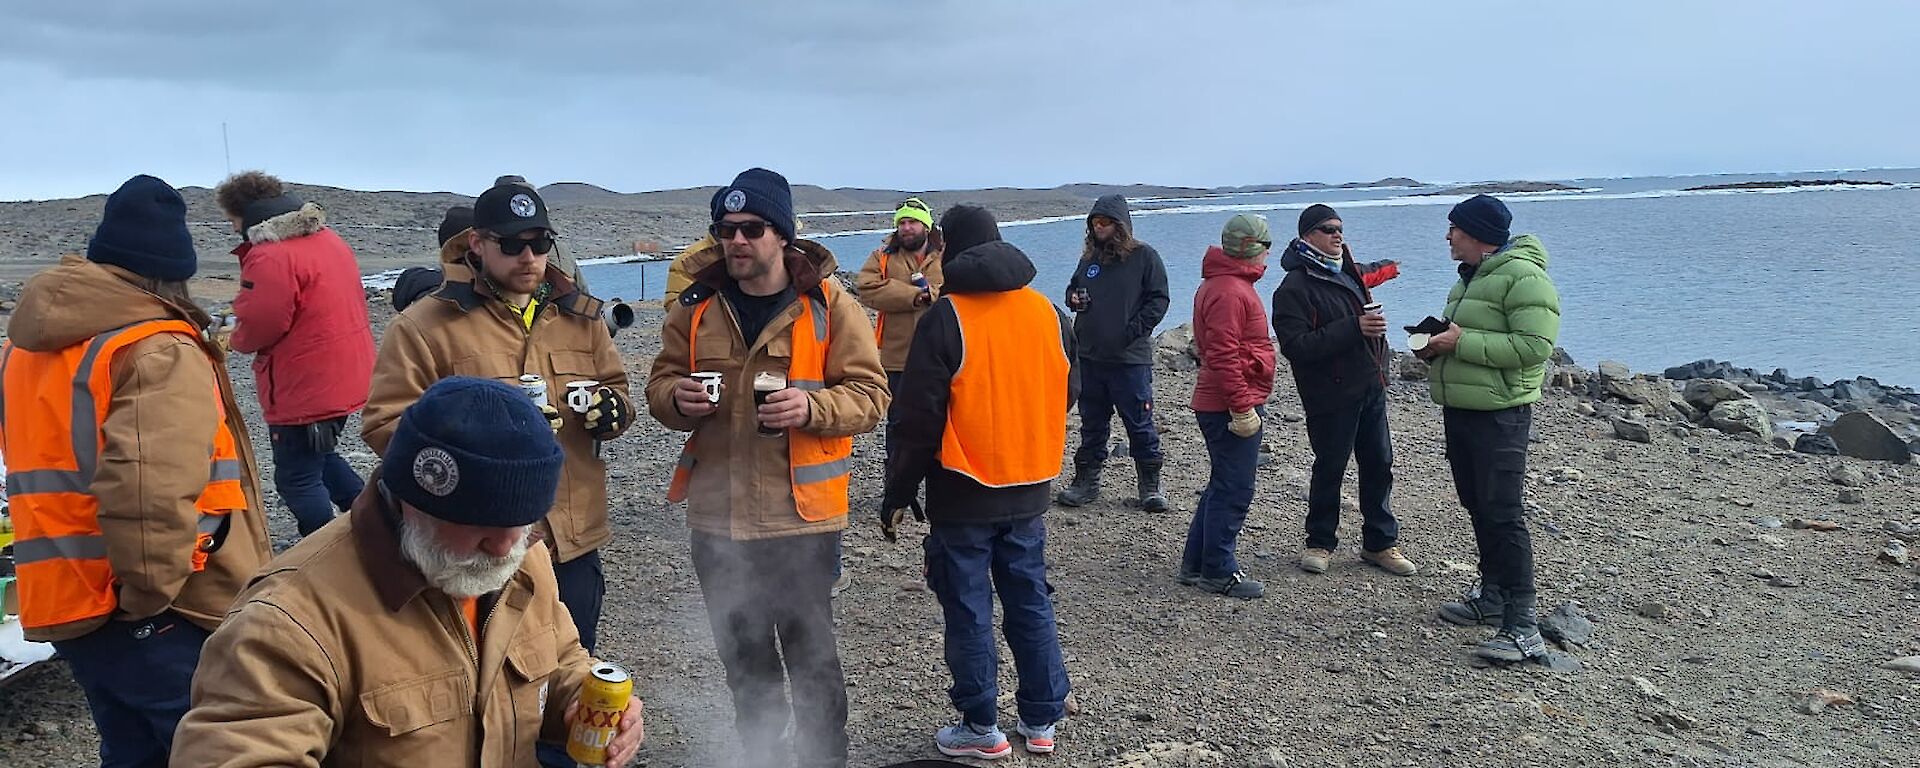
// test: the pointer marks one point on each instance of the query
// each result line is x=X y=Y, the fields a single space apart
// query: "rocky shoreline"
x=1715 y=600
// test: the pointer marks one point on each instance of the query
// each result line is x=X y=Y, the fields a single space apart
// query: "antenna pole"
x=226 y=149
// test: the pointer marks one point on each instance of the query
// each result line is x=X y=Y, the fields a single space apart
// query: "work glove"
x=892 y=516
x=553 y=416
x=609 y=415
x=1244 y=423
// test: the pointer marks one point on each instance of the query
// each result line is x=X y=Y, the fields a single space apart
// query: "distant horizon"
x=1423 y=182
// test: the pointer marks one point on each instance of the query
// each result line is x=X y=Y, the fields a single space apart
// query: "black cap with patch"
x=509 y=209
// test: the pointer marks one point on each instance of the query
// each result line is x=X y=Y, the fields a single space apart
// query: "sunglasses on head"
x=513 y=246
x=1329 y=229
x=915 y=204
x=724 y=230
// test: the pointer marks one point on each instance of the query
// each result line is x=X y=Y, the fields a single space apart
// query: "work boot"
x=1084 y=488
x=1315 y=559
x=1483 y=604
x=1391 y=560
x=1519 y=636
x=1147 y=473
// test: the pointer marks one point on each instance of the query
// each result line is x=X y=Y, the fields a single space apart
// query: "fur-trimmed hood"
x=308 y=219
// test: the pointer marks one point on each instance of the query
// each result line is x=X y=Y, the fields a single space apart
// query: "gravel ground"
x=1713 y=615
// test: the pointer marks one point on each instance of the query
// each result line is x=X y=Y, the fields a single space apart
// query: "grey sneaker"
x=1479 y=606
x=841 y=584
x=1235 y=585
x=964 y=739
x=1512 y=646
x=1039 y=737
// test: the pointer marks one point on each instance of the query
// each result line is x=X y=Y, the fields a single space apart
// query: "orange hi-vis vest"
x=56 y=405
x=819 y=466
x=880 y=318
x=1007 y=415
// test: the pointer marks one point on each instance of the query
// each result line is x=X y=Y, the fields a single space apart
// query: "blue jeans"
x=1107 y=388
x=1223 y=504
x=1358 y=429
x=138 y=677
x=313 y=484
x=966 y=565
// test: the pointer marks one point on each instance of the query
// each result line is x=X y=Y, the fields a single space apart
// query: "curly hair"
x=244 y=187
x=1115 y=250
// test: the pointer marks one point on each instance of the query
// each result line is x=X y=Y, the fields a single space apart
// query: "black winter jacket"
x=920 y=404
x=1316 y=318
x=1129 y=297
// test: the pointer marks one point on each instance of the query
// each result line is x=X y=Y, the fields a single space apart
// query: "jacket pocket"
x=532 y=660
x=418 y=716
x=574 y=365
x=501 y=366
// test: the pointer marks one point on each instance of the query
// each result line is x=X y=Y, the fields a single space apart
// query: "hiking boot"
x=1235 y=585
x=1039 y=737
x=1392 y=561
x=841 y=584
x=1188 y=578
x=1147 y=474
x=1084 y=488
x=1315 y=559
x=964 y=739
x=1512 y=646
x=1480 y=605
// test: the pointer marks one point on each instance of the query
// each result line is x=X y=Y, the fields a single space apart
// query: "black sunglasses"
x=513 y=246
x=1329 y=229
x=724 y=230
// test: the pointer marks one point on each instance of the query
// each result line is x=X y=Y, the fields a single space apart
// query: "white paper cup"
x=1418 y=341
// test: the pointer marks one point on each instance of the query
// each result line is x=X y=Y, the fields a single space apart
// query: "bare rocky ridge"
x=1723 y=601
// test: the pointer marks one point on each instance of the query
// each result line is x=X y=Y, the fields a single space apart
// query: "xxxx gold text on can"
x=602 y=700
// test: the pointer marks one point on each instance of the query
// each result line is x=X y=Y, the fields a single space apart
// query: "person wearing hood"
x=899 y=282
x=1338 y=352
x=302 y=312
x=766 y=483
x=1487 y=369
x=1118 y=294
x=502 y=312
x=1235 y=379
x=415 y=282
x=982 y=417
x=130 y=476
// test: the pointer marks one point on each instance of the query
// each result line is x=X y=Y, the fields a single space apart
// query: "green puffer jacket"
x=1509 y=316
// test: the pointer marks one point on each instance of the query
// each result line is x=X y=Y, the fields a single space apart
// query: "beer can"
x=603 y=699
x=535 y=387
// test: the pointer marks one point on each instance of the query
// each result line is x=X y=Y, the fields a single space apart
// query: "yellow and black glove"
x=609 y=415
x=553 y=416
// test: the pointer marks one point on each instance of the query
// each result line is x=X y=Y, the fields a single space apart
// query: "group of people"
x=444 y=609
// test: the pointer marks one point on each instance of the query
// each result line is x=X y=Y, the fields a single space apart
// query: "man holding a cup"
x=765 y=470
x=503 y=312
x=1334 y=335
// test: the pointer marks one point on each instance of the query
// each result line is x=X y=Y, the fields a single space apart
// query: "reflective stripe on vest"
x=57 y=411
x=818 y=466
x=1007 y=415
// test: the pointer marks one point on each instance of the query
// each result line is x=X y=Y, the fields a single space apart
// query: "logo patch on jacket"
x=1093 y=271
x=436 y=472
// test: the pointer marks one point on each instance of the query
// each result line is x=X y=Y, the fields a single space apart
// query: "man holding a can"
x=899 y=282
x=1488 y=365
x=1334 y=335
x=425 y=626
x=503 y=313
x=765 y=472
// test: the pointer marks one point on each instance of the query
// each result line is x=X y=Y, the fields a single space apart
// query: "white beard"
x=459 y=576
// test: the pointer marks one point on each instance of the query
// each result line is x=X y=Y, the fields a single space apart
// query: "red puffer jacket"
x=1230 y=330
x=303 y=313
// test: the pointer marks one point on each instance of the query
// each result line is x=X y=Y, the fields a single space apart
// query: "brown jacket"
x=892 y=295
x=341 y=654
x=156 y=447
x=462 y=330
x=741 y=485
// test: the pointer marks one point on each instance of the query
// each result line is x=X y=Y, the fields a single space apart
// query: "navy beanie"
x=1483 y=218
x=965 y=226
x=474 y=452
x=144 y=230
x=762 y=193
x=1314 y=215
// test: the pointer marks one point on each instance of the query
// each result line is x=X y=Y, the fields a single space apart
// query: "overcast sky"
x=443 y=95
